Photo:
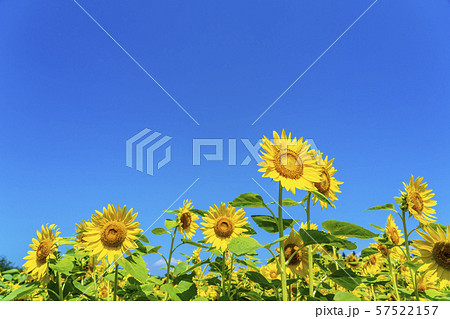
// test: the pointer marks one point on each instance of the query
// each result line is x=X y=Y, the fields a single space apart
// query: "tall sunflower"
x=289 y=162
x=328 y=185
x=112 y=233
x=223 y=224
x=43 y=248
x=186 y=219
x=80 y=231
x=299 y=263
x=434 y=251
x=418 y=200
x=394 y=234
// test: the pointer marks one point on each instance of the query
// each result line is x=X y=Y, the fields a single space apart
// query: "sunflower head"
x=270 y=271
x=298 y=264
x=328 y=185
x=186 y=220
x=351 y=261
x=418 y=200
x=112 y=233
x=434 y=251
x=393 y=233
x=223 y=224
x=43 y=249
x=80 y=231
x=289 y=161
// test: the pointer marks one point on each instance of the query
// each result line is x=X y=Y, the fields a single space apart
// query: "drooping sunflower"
x=289 y=162
x=112 y=233
x=223 y=224
x=299 y=263
x=43 y=248
x=351 y=261
x=328 y=184
x=394 y=234
x=186 y=219
x=418 y=200
x=270 y=271
x=434 y=251
x=80 y=231
x=374 y=263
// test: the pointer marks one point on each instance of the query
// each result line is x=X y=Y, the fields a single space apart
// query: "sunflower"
x=289 y=162
x=186 y=219
x=351 y=261
x=44 y=248
x=311 y=226
x=394 y=234
x=418 y=200
x=434 y=251
x=328 y=185
x=223 y=224
x=112 y=233
x=80 y=231
x=299 y=263
x=270 y=271
x=374 y=263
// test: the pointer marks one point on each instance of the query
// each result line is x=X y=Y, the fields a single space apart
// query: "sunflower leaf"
x=199 y=212
x=22 y=291
x=63 y=266
x=248 y=200
x=193 y=243
x=366 y=252
x=270 y=224
x=339 y=228
x=346 y=278
x=388 y=206
x=345 y=296
x=313 y=237
x=258 y=278
x=159 y=231
x=276 y=241
x=135 y=266
x=243 y=245
x=322 y=197
x=287 y=202
x=169 y=224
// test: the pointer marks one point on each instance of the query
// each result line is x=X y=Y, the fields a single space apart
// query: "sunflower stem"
x=223 y=273
x=116 y=273
x=60 y=290
x=408 y=256
x=230 y=275
x=393 y=275
x=95 y=279
x=310 y=256
x=280 y=232
x=170 y=256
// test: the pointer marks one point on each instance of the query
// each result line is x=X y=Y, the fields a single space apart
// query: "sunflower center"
x=113 y=234
x=224 y=227
x=273 y=274
x=421 y=286
x=288 y=164
x=441 y=253
x=395 y=238
x=324 y=185
x=373 y=260
x=289 y=250
x=43 y=250
x=417 y=202
x=383 y=249
x=185 y=220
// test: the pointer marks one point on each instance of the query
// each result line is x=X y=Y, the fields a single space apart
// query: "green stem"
x=95 y=277
x=280 y=233
x=60 y=290
x=310 y=256
x=230 y=275
x=408 y=256
x=116 y=273
x=393 y=276
x=223 y=273
x=170 y=256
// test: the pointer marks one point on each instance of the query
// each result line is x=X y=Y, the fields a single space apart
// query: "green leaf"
x=269 y=224
x=169 y=224
x=188 y=270
x=200 y=299
x=67 y=241
x=366 y=252
x=181 y=267
x=346 y=278
x=322 y=198
x=248 y=200
x=287 y=202
x=377 y=227
x=135 y=266
x=249 y=230
x=276 y=241
x=143 y=238
x=22 y=291
x=199 y=212
x=388 y=206
x=312 y=237
x=159 y=231
x=147 y=250
x=413 y=266
x=243 y=245
x=339 y=228
x=193 y=243
x=64 y=266
x=345 y=296
x=171 y=290
x=258 y=278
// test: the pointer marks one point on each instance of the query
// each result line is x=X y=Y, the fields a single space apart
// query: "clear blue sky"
x=377 y=101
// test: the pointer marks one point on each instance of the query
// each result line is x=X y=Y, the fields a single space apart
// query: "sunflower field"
x=104 y=260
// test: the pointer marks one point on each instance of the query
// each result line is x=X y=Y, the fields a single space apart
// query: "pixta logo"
x=148 y=142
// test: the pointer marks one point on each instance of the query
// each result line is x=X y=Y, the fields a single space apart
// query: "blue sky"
x=377 y=101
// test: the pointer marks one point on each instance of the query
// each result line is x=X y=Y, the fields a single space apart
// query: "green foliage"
x=339 y=228
x=270 y=224
x=248 y=200
x=388 y=206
